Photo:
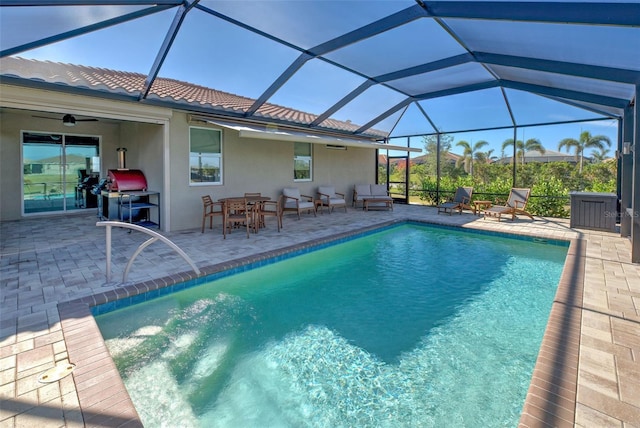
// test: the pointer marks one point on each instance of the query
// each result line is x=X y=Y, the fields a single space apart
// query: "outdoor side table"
x=480 y=205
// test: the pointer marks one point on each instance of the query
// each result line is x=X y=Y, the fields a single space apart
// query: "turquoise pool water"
x=413 y=326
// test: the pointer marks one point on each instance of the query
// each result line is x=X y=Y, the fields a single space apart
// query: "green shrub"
x=549 y=198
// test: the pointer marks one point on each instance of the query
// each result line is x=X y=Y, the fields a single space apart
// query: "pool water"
x=413 y=326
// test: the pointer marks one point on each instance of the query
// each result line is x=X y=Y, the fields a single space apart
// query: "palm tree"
x=600 y=155
x=469 y=154
x=586 y=141
x=486 y=157
x=523 y=147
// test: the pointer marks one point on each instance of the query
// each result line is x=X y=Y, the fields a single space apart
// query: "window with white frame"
x=205 y=156
x=302 y=162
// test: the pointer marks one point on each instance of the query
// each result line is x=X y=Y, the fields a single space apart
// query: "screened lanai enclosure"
x=421 y=77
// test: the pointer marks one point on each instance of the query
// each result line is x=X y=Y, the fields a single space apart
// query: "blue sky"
x=243 y=63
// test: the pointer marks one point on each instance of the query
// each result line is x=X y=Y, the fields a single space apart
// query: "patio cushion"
x=327 y=190
x=363 y=190
x=379 y=190
x=291 y=192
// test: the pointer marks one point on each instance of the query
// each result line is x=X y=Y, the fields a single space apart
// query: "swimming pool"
x=410 y=326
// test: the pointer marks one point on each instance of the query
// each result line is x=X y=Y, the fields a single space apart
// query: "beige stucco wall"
x=253 y=165
x=157 y=142
x=13 y=124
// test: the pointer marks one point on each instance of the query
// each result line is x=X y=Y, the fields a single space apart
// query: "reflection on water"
x=329 y=339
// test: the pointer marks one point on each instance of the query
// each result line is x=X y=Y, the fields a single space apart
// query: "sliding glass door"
x=53 y=165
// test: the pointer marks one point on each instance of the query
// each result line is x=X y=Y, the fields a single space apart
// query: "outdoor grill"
x=126 y=180
x=119 y=182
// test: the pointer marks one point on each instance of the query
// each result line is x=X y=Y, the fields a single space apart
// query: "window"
x=53 y=167
x=205 y=156
x=302 y=162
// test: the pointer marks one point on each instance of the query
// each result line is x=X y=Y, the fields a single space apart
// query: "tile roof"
x=163 y=89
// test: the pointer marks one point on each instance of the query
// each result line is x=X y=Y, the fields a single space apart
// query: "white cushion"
x=363 y=190
x=379 y=190
x=327 y=190
x=292 y=192
x=305 y=205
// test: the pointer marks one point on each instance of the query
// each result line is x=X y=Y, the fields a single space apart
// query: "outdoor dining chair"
x=237 y=213
x=211 y=209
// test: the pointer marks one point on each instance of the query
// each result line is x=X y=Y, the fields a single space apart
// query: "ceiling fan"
x=69 y=119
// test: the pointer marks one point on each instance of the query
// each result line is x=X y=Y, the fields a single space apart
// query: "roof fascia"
x=91 y=92
x=566 y=93
x=560 y=67
x=83 y=30
x=169 y=38
x=617 y=14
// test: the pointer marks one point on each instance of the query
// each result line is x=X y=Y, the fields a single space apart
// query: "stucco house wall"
x=157 y=142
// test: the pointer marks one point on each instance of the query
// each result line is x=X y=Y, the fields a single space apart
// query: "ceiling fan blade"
x=86 y=120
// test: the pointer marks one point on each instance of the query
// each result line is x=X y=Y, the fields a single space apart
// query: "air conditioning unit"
x=336 y=147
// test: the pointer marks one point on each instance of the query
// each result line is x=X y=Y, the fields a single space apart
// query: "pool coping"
x=550 y=400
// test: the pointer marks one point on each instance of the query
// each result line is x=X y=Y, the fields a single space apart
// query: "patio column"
x=635 y=205
x=625 y=172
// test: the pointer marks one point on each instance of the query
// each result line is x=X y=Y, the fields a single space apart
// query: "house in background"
x=547 y=156
x=183 y=152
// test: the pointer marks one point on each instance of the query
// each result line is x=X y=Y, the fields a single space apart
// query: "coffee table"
x=388 y=203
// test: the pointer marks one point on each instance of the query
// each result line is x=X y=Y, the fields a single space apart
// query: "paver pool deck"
x=588 y=369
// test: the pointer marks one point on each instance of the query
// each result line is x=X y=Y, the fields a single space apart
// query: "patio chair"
x=210 y=210
x=265 y=209
x=295 y=202
x=515 y=205
x=461 y=200
x=237 y=213
x=329 y=198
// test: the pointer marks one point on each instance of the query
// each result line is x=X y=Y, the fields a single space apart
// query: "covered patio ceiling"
x=391 y=68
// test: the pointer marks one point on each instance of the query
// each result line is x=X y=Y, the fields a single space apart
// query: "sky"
x=234 y=60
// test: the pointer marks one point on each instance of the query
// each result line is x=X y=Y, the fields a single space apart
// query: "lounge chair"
x=329 y=198
x=461 y=200
x=294 y=201
x=515 y=205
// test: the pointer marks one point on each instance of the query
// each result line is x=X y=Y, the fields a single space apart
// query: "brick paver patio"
x=588 y=370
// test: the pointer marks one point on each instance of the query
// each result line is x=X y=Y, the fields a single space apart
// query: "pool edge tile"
x=555 y=374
